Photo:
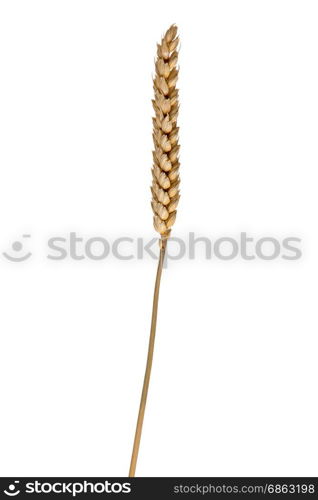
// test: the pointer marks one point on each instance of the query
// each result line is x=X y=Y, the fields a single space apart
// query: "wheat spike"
x=165 y=187
x=165 y=171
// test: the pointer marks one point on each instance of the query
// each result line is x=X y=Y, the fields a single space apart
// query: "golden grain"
x=165 y=172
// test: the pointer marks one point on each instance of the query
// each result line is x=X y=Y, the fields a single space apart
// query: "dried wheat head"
x=165 y=171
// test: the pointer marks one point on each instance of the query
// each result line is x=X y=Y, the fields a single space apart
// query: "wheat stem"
x=165 y=184
x=151 y=346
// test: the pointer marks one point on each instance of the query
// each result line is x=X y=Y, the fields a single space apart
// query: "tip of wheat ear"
x=165 y=171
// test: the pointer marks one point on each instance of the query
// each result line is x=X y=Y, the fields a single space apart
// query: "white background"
x=234 y=382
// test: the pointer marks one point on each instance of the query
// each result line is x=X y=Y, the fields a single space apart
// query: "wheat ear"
x=165 y=186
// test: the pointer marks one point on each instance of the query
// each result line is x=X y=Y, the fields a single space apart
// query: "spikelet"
x=165 y=172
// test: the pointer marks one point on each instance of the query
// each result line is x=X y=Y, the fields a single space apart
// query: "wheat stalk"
x=165 y=186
